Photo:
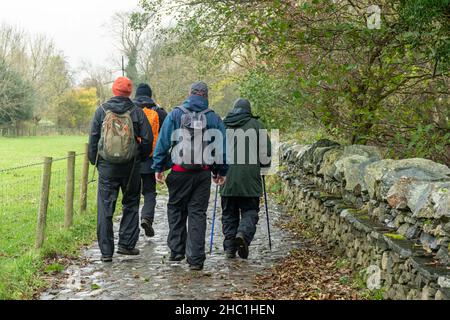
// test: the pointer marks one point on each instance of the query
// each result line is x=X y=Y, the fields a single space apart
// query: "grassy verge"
x=23 y=270
x=22 y=276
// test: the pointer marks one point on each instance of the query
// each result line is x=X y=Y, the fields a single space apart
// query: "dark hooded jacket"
x=147 y=102
x=244 y=179
x=142 y=130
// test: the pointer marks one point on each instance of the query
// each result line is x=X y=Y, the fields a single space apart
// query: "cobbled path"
x=151 y=276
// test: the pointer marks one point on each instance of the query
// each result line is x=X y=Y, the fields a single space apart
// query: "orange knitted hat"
x=122 y=87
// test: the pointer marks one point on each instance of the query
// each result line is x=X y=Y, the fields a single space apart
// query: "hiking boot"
x=242 y=246
x=147 y=225
x=193 y=267
x=176 y=257
x=230 y=254
x=128 y=252
x=106 y=259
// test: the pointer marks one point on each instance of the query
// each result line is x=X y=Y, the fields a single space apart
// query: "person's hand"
x=219 y=180
x=160 y=178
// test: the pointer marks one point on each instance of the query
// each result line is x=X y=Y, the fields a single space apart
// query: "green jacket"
x=244 y=180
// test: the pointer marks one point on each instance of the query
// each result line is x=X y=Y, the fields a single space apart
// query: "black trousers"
x=149 y=193
x=108 y=192
x=239 y=215
x=189 y=194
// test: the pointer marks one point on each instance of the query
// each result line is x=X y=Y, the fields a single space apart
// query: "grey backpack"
x=193 y=127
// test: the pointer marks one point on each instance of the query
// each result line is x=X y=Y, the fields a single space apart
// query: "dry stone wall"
x=388 y=217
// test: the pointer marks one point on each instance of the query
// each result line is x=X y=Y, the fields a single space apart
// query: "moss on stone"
x=395 y=236
x=361 y=214
x=326 y=196
x=358 y=211
x=360 y=282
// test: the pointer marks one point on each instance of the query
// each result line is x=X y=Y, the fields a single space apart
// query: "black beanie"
x=144 y=90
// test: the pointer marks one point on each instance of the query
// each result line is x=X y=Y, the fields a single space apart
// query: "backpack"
x=153 y=119
x=193 y=127
x=117 y=141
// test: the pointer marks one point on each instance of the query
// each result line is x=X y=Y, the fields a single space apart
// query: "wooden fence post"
x=70 y=188
x=84 y=180
x=43 y=206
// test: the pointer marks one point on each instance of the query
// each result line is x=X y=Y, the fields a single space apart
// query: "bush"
x=16 y=96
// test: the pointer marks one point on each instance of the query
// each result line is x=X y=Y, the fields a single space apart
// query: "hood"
x=144 y=101
x=196 y=103
x=240 y=115
x=242 y=106
x=236 y=120
x=119 y=105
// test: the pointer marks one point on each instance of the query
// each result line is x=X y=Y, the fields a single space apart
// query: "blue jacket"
x=162 y=157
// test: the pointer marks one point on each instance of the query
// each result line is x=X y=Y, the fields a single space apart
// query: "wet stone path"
x=151 y=276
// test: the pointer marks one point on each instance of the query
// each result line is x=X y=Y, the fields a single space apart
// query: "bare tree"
x=129 y=38
x=41 y=51
x=13 y=47
x=38 y=62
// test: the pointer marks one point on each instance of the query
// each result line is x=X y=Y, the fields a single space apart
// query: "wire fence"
x=22 y=190
x=21 y=194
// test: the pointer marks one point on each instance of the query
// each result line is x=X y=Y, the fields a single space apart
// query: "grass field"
x=22 y=268
x=22 y=151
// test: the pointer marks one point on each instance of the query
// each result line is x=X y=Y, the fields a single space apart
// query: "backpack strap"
x=182 y=108
x=129 y=111
x=186 y=111
x=206 y=111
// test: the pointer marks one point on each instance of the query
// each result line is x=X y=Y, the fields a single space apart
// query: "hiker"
x=242 y=190
x=156 y=116
x=121 y=137
x=189 y=182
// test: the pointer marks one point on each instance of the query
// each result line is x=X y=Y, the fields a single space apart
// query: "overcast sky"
x=78 y=27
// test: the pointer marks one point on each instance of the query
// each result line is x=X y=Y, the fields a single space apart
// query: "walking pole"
x=267 y=211
x=214 y=221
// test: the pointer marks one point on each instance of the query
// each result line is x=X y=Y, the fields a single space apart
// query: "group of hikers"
x=134 y=142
